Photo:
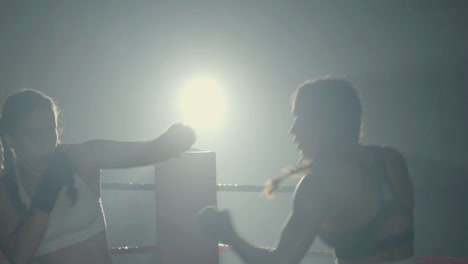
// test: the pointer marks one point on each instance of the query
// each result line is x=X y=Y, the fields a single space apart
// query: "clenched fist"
x=177 y=139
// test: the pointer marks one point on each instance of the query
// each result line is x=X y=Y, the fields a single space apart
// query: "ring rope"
x=220 y=187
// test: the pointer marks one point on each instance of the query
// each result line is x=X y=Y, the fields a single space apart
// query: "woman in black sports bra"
x=358 y=199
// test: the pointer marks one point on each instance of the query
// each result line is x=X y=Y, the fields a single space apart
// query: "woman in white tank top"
x=49 y=193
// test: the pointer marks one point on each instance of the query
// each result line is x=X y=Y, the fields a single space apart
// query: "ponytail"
x=299 y=170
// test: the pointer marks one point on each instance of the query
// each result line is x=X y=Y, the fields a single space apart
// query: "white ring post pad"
x=183 y=187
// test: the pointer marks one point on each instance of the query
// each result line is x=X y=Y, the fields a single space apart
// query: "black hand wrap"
x=58 y=174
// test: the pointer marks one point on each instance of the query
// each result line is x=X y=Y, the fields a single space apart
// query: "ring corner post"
x=183 y=187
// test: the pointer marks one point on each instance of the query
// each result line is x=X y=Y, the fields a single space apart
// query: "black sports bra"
x=363 y=241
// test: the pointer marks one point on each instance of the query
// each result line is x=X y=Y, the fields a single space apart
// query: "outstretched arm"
x=296 y=236
x=110 y=154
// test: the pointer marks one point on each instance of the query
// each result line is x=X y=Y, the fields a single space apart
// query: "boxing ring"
x=182 y=187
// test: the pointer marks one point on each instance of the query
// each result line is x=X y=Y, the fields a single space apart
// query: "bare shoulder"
x=336 y=171
x=90 y=175
x=308 y=201
x=320 y=186
x=395 y=162
x=72 y=151
x=397 y=170
x=393 y=156
x=77 y=155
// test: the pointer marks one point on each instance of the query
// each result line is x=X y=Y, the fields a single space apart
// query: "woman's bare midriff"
x=92 y=251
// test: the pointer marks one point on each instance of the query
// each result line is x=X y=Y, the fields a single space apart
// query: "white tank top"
x=69 y=224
